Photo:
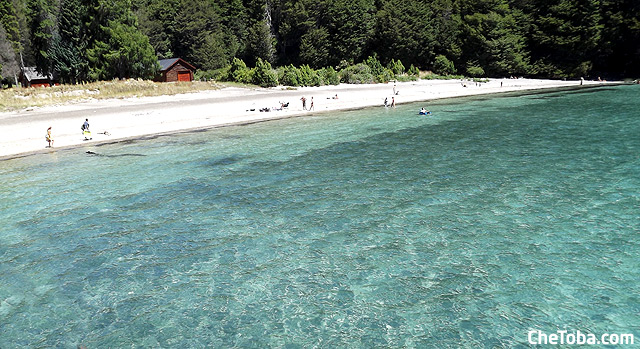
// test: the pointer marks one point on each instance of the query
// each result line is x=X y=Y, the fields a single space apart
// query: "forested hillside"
x=88 y=40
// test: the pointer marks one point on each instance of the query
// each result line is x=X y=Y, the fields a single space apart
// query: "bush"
x=396 y=67
x=413 y=71
x=289 y=76
x=380 y=73
x=443 y=66
x=475 y=71
x=357 y=74
x=307 y=76
x=329 y=76
x=221 y=74
x=239 y=72
x=264 y=75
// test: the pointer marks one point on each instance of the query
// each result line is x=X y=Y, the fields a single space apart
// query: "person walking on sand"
x=49 y=138
x=311 y=106
x=85 y=130
x=393 y=102
x=304 y=103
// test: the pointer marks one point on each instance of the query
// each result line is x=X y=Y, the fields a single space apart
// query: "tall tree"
x=9 y=21
x=619 y=49
x=9 y=67
x=116 y=47
x=41 y=17
x=351 y=25
x=565 y=36
x=67 y=48
x=492 y=39
x=403 y=31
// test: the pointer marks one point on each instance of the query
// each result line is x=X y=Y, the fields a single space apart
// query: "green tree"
x=314 y=47
x=9 y=67
x=9 y=21
x=41 y=15
x=617 y=53
x=264 y=75
x=351 y=26
x=116 y=47
x=260 y=42
x=404 y=31
x=443 y=66
x=565 y=35
x=492 y=41
x=67 y=48
x=201 y=39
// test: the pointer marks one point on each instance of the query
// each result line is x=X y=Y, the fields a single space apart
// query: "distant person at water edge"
x=304 y=103
x=311 y=106
x=85 y=130
x=393 y=102
x=49 y=137
x=386 y=102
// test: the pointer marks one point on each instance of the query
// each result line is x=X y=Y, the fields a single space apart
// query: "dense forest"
x=89 y=40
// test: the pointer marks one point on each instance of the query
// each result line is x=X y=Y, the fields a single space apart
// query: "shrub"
x=475 y=71
x=239 y=72
x=329 y=76
x=413 y=71
x=289 y=76
x=221 y=74
x=264 y=75
x=307 y=76
x=396 y=67
x=443 y=66
x=357 y=74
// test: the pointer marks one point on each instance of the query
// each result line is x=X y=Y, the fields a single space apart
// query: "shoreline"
x=138 y=118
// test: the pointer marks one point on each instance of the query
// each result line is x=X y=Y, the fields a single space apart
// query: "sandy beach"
x=23 y=132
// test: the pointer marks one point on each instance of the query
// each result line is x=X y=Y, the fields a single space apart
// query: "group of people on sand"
x=392 y=104
x=85 y=132
x=304 y=103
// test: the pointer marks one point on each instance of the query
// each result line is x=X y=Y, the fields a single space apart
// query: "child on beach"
x=49 y=138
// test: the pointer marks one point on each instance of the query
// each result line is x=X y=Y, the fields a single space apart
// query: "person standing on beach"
x=393 y=102
x=85 y=130
x=311 y=106
x=304 y=103
x=49 y=138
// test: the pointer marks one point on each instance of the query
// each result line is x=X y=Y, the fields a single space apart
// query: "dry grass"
x=19 y=98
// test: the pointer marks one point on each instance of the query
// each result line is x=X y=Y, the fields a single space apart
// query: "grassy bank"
x=20 y=98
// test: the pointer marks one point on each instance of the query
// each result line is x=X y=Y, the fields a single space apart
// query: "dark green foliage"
x=67 y=48
x=40 y=14
x=475 y=71
x=329 y=76
x=357 y=74
x=396 y=67
x=239 y=72
x=9 y=21
x=81 y=40
x=413 y=71
x=9 y=68
x=443 y=66
x=264 y=75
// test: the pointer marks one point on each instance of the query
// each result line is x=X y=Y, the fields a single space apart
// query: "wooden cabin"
x=29 y=77
x=175 y=69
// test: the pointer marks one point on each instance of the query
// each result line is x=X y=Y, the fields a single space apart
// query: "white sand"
x=23 y=132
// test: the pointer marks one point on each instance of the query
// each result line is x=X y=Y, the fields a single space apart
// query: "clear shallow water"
x=371 y=228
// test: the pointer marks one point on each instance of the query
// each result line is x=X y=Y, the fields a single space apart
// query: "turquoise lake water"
x=374 y=228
